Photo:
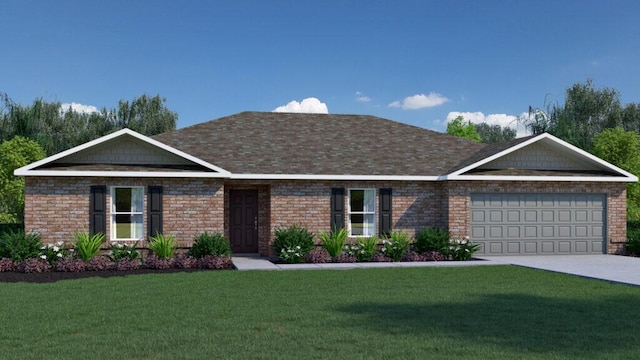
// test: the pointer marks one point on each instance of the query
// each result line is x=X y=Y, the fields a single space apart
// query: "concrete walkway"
x=260 y=263
x=614 y=268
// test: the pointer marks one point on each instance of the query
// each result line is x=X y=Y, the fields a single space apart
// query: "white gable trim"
x=28 y=170
x=625 y=176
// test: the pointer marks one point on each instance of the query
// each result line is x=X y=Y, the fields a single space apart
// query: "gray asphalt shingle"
x=328 y=144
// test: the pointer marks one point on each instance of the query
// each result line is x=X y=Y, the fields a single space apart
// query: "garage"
x=538 y=224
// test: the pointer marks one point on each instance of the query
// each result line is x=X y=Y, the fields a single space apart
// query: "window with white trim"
x=362 y=212
x=127 y=217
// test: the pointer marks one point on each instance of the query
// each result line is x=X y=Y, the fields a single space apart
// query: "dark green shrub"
x=397 y=245
x=432 y=239
x=292 y=244
x=210 y=244
x=633 y=237
x=18 y=246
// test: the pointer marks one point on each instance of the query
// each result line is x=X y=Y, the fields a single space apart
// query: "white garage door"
x=538 y=224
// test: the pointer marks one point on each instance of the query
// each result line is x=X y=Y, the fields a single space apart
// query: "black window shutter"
x=154 y=210
x=385 y=212
x=337 y=209
x=98 y=209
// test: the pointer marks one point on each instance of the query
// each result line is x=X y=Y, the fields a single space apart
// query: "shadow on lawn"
x=524 y=323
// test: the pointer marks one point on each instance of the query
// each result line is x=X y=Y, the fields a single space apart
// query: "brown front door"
x=243 y=207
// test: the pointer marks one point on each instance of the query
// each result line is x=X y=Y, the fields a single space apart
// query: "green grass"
x=485 y=312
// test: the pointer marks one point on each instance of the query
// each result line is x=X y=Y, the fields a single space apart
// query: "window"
x=126 y=213
x=362 y=212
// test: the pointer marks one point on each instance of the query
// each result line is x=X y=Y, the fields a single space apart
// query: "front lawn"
x=484 y=312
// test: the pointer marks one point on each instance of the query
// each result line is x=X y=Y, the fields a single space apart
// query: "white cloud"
x=79 y=108
x=308 y=105
x=420 y=101
x=360 y=97
x=512 y=121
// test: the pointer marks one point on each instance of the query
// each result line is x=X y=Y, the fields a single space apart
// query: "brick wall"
x=308 y=203
x=457 y=198
x=58 y=207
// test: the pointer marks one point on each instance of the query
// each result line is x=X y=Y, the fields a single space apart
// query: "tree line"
x=56 y=128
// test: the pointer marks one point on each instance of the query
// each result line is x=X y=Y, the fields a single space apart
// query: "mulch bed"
x=53 y=276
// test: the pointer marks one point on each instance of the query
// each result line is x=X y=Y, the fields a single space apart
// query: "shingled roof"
x=320 y=144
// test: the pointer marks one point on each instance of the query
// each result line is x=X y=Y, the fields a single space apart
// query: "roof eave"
x=125 y=174
x=628 y=179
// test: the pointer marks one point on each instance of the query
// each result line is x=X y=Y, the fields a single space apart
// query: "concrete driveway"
x=615 y=268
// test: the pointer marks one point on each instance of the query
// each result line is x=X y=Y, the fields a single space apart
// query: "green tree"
x=15 y=153
x=458 y=127
x=622 y=149
x=146 y=115
x=491 y=134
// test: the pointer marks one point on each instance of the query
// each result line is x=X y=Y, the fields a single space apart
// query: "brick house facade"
x=217 y=177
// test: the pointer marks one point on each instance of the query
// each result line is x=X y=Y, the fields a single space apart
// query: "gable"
x=541 y=158
x=124 y=150
x=123 y=153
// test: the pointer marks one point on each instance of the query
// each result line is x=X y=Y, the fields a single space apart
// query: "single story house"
x=247 y=174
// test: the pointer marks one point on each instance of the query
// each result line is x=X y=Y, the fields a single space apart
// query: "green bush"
x=396 y=246
x=210 y=244
x=432 y=239
x=334 y=242
x=633 y=237
x=18 y=246
x=292 y=243
x=120 y=251
x=462 y=249
x=364 y=249
x=87 y=246
x=164 y=247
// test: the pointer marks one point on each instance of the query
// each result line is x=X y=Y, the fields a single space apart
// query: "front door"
x=243 y=207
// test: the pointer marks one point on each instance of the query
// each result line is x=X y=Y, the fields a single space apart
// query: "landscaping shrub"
x=120 y=251
x=318 y=255
x=413 y=256
x=434 y=256
x=99 y=263
x=462 y=249
x=87 y=246
x=154 y=262
x=633 y=238
x=127 y=264
x=293 y=243
x=344 y=258
x=18 y=246
x=7 y=264
x=185 y=262
x=396 y=246
x=163 y=246
x=210 y=244
x=364 y=249
x=70 y=265
x=33 y=265
x=214 y=262
x=52 y=253
x=334 y=242
x=432 y=239
x=378 y=257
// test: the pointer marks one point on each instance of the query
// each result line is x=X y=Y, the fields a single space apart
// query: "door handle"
x=255 y=223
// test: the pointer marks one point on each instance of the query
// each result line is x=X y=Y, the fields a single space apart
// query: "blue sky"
x=418 y=62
